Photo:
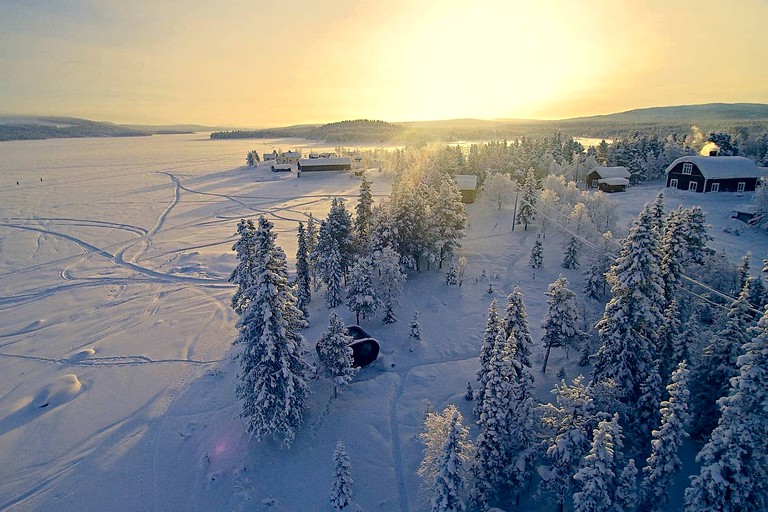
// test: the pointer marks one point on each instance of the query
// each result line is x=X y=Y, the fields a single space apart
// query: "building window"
x=687 y=168
x=673 y=183
x=740 y=187
x=693 y=186
x=715 y=187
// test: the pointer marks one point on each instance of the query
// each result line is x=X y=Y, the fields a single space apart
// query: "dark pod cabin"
x=365 y=349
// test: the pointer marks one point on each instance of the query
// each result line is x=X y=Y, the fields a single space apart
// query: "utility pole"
x=514 y=211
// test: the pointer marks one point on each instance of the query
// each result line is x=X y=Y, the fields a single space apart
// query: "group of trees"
x=647 y=390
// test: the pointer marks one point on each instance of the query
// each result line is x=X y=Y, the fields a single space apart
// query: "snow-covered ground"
x=116 y=370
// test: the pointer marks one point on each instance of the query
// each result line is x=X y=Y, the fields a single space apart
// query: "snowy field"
x=116 y=366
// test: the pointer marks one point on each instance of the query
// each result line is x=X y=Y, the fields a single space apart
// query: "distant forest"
x=659 y=122
x=62 y=127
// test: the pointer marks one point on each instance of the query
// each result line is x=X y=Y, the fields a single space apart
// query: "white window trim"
x=693 y=186
x=673 y=183
x=741 y=186
x=715 y=187
x=687 y=168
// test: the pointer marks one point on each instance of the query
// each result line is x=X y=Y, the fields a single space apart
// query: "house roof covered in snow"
x=308 y=162
x=722 y=166
x=613 y=172
x=466 y=181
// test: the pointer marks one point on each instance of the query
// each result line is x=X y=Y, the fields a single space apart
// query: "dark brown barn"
x=324 y=164
x=609 y=179
x=714 y=174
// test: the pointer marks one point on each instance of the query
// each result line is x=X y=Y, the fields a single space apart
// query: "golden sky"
x=274 y=63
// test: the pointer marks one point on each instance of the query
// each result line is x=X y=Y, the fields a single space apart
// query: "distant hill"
x=35 y=128
x=682 y=114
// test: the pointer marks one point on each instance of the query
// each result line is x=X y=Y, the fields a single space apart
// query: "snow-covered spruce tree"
x=626 y=498
x=664 y=462
x=336 y=354
x=451 y=279
x=244 y=275
x=303 y=277
x=414 y=332
x=669 y=340
x=447 y=221
x=569 y=424
x=408 y=212
x=341 y=490
x=311 y=239
x=528 y=203
x=450 y=480
x=734 y=463
x=272 y=383
x=334 y=292
x=433 y=435
x=696 y=236
x=742 y=269
x=493 y=328
x=596 y=477
x=711 y=378
x=339 y=226
x=523 y=424
x=384 y=231
x=515 y=325
x=561 y=321
x=388 y=280
x=492 y=446
x=361 y=294
x=363 y=215
x=673 y=253
x=320 y=256
x=571 y=253
x=536 y=253
x=628 y=328
x=657 y=213
x=594 y=277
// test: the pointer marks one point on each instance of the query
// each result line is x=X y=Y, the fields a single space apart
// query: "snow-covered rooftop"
x=308 y=162
x=466 y=181
x=613 y=172
x=722 y=166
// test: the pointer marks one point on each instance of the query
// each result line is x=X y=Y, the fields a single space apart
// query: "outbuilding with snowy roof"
x=609 y=179
x=714 y=174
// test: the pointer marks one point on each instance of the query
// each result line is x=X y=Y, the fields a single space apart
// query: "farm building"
x=609 y=179
x=289 y=157
x=467 y=184
x=714 y=174
x=744 y=212
x=324 y=164
x=269 y=156
x=281 y=167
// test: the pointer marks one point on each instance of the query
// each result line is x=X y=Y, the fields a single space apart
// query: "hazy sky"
x=279 y=62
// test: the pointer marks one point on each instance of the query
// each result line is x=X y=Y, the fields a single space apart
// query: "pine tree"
x=530 y=196
x=718 y=365
x=594 y=280
x=628 y=328
x=388 y=281
x=273 y=367
x=339 y=227
x=743 y=270
x=335 y=352
x=664 y=461
x=657 y=214
x=673 y=253
x=571 y=253
x=451 y=278
x=696 y=236
x=447 y=221
x=414 y=334
x=669 y=340
x=626 y=498
x=341 y=491
x=245 y=274
x=492 y=446
x=450 y=480
x=311 y=239
x=536 y=253
x=734 y=463
x=515 y=325
x=596 y=477
x=363 y=215
x=561 y=322
x=361 y=295
x=303 y=277
x=334 y=288
x=569 y=424
x=493 y=328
